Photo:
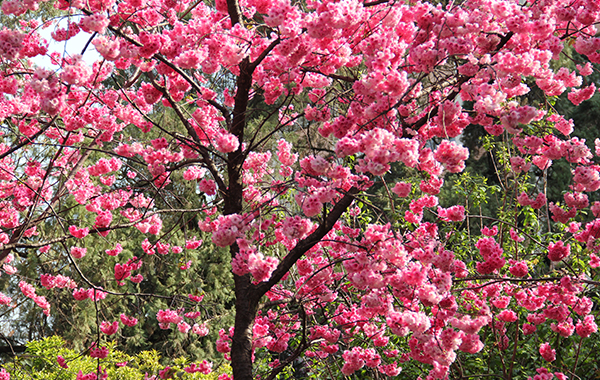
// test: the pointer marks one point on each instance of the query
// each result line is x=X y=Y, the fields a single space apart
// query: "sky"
x=72 y=46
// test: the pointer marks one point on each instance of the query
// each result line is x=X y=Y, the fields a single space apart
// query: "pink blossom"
x=165 y=373
x=296 y=227
x=78 y=252
x=77 y=73
x=528 y=329
x=311 y=206
x=201 y=330
x=193 y=243
x=9 y=269
x=128 y=321
x=539 y=201
x=196 y=298
x=391 y=370
x=205 y=367
x=193 y=314
x=223 y=342
x=183 y=327
x=168 y=316
x=353 y=360
x=208 y=186
x=108 y=49
x=452 y=156
x=586 y=70
x=577 y=96
x=191 y=59
x=576 y=200
x=27 y=289
x=95 y=23
x=79 y=233
x=548 y=354
x=80 y=294
x=109 y=328
x=564 y=328
x=471 y=344
x=261 y=267
x=284 y=153
x=230 y=228
x=586 y=327
x=4 y=299
x=489 y=231
x=402 y=189
x=518 y=269
x=137 y=278
x=225 y=142
x=100 y=353
x=558 y=251
x=103 y=219
x=583 y=306
x=515 y=236
x=193 y=173
x=452 y=214
x=115 y=251
x=518 y=164
x=62 y=362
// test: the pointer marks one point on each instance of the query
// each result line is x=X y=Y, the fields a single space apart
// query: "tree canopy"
x=303 y=188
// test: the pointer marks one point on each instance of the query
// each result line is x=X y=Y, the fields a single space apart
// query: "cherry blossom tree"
x=314 y=143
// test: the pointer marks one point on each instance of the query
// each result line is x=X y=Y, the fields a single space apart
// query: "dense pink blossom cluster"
x=364 y=90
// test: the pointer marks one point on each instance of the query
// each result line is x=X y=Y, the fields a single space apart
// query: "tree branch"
x=307 y=243
x=235 y=13
x=203 y=150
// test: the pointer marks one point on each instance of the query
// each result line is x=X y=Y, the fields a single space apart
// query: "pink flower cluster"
x=29 y=291
x=452 y=214
x=491 y=252
x=205 y=367
x=77 y=72
x=128 y=321
x=11 y=43
x=104 y=166
x=108 y=49
x=82 y=294
x=358 y=357
x=109 y=328
x=537 y=203
x=98 y=22
x=49 y=281
x=452 y=156
x=228 y=228
x=547 y=352
x=296 y=227
x=166 y=317
x=99 y=352
x=558 y=251
x=284 y=153
x=79 y=233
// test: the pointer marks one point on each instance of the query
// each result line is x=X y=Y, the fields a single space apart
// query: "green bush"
x=39 y=361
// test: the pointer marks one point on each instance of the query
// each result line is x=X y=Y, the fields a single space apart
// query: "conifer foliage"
x=308 y=141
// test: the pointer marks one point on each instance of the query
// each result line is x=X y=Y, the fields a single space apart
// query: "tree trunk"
x=245 y=313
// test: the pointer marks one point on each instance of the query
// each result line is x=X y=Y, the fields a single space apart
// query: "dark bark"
x=245 y=313
x=12 y=350
x=245 y=305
